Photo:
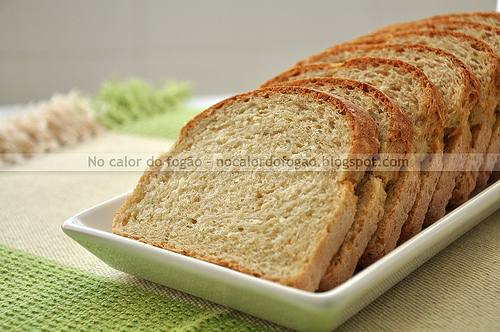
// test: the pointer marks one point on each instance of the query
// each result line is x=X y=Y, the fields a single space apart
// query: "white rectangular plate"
x=280 y=304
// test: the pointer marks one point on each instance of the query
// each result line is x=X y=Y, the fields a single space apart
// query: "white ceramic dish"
x=284 y=305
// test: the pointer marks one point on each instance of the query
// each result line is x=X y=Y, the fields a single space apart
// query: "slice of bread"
x=460 y=89
x=396 y=138
x=487 y=33
x=484 y=63
x=283 y=225
x=419 y=98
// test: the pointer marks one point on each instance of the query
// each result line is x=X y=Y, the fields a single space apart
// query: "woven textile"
x=37 y=294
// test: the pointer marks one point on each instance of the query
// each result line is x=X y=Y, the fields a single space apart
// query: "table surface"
x=456 y=290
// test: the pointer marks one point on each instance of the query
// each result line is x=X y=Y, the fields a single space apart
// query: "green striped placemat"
x=37 y=294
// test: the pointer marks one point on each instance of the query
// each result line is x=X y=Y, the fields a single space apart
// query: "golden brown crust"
x=492 y=18
x=481 y=37
x=363 y=125
x=466 y=180
x=293 y=73
x=489 y=92
x=446 y=183
x=449 y=24
x=469 y=83
x=495 y=175
x=428 y=183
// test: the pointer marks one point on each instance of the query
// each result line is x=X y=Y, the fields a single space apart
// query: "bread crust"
x=388 y=232
x=436 y=111
x=475 y=29
x=491 y=86
x=446 y=183
x=466 y=180
x=369 y=210
x=492 y=155
x=491 y=18
x=470 y=85
x=495 y=175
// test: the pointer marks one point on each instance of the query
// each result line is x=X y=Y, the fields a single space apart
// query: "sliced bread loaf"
x=484 y=63
x=492 y=19
x=396 y=138
x=418 y=97
x=488 y=34
x=460 y=89
x=283 y=225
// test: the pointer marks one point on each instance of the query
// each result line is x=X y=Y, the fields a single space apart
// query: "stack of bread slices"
x=327 y=167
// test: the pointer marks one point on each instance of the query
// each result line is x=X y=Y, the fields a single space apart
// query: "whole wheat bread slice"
x=418 y=97
x=396 y=139
x=283 y=225
x=487 y=33
x=484 y=63
x=460 y=89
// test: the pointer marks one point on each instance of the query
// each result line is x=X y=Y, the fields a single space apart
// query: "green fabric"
x=37 y=294
x=119 y=102
x=134 y=106
x=166 y=125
